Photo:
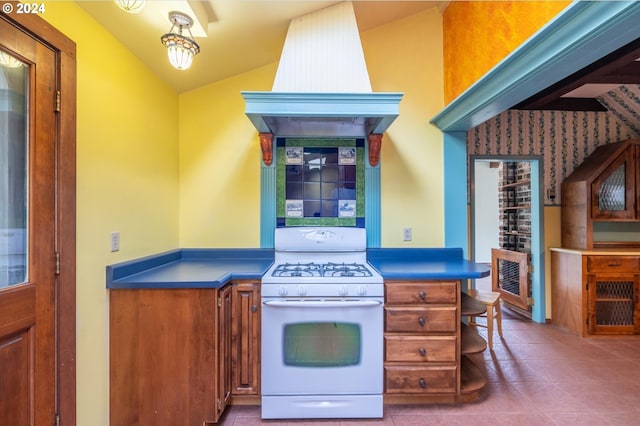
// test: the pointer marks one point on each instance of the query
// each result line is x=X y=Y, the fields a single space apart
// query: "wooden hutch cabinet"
x=600 y=207
x=596 y=273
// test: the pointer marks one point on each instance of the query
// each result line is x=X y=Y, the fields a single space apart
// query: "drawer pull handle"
x=422 y=383
x=422 y=351
x=421 y=321
x=422 y=295
x=614 y=264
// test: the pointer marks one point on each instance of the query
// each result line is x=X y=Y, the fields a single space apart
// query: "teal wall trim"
x=581 y=34
x=538 y=311
x=455 y=191
x=373 y=222
x=268 y=202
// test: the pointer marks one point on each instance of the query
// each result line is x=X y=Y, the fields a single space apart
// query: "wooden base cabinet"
x=422 y=343
x=596 y=292
x=170 y=355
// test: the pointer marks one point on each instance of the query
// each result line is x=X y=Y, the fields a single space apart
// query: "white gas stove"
x=322 y=321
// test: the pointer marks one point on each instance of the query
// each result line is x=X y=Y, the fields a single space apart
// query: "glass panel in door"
x=613 y=191
x=14 y=89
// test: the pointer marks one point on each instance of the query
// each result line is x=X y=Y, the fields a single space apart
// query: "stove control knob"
x=282 y=291
x=343 y=291
x=302 y=291
x=362 y=291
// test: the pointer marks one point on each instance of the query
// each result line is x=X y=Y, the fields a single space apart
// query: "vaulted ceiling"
x=238 y=36
x=235 y=36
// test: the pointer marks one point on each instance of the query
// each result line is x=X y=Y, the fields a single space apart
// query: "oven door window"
x=322 y=344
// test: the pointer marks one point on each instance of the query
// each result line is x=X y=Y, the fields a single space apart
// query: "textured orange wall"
x=479 y=34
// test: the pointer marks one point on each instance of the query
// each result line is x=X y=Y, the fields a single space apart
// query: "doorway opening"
x=507 y=230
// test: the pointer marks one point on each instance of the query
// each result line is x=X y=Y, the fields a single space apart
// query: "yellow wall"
x=127 y=174
x=220 y=164
x=479 y=34
x=406 y=56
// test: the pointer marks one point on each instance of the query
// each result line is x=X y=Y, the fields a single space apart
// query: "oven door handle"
x=322 y=304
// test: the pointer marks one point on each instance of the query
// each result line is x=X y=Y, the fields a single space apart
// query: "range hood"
x=322 y=87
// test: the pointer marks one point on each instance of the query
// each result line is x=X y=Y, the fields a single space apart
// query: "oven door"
x=322 y=347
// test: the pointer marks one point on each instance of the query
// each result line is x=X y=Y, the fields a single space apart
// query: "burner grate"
x=313 y=269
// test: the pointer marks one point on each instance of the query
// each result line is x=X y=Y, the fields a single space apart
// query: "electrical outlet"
x=406 y=234
x=115 y=241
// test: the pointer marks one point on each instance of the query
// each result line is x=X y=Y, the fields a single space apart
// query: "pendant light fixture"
x=131 y=6
x=180 y=49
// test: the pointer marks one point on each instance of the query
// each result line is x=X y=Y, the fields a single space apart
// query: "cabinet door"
x=224 y=344
x=613 y=192
x=612 y=303
x=245 y=339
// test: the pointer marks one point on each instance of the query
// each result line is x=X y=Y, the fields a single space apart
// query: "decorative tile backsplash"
x=563 y=138
x=320 y=182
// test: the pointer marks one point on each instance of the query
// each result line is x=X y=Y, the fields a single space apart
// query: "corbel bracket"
x=266 y=145
x=375 y=142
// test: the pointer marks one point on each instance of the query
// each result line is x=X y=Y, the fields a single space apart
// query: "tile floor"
x=537 y=375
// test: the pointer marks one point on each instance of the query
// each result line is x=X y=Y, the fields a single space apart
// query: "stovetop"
x=322 y=261
x=315 y=269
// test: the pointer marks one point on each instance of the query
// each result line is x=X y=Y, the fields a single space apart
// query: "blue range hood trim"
x=322 y=114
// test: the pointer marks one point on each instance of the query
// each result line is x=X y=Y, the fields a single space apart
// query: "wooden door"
x=510 y=277
x=28 y=89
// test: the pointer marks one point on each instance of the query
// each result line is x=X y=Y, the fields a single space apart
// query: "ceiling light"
x=130 y=6
x=180 y=49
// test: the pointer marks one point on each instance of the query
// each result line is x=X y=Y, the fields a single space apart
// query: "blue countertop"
x=424 y=263
x=213 y=268
x=190 y=268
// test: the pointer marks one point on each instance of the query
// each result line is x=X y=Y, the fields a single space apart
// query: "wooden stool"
x=492 y=301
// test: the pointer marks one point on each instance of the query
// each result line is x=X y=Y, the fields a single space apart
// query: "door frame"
x=65 y=215
x=538 y=311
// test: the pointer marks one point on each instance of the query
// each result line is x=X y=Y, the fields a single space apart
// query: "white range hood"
x=322 y=87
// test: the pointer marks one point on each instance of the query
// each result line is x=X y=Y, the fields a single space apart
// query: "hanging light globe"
x=180 y=49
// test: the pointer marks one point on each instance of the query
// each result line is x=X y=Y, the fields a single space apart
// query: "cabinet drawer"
x=420 y=380
x=613 y=263
x=421 y=292
x=420 y=348
x=420 y=319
